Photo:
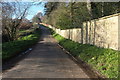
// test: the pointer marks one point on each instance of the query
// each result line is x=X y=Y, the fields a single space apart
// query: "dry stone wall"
x=102 y=32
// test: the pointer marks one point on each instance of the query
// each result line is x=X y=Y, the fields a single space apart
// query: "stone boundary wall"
x=102 y=32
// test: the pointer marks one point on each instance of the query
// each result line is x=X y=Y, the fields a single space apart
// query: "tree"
x=25 y=24
x=67 y=15
x=100 y=9
x=12 y=15
x=37 y=18
x=50 y=6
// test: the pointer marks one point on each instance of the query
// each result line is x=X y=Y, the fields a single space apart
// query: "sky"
x=35 y=9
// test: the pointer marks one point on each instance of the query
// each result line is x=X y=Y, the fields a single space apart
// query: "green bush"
x=104 y=60
x=10 y=49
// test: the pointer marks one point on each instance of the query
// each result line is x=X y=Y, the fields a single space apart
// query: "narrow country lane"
x=47 y=60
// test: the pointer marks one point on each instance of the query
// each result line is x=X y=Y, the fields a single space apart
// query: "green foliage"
x=25 y=32
x=50 y=6
x=64 y=19
x=100 y=9
x=72 y=14
x=10 y=49
x=104 y=60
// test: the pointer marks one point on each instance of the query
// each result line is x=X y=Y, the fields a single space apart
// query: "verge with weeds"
x=101 y=59
x=10 y=49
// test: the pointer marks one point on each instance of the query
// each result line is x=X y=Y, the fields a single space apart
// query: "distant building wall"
x=102 y=32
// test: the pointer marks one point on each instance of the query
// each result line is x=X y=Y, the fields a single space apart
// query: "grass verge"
x=25 y=32
x=103 y=60
x=10 y=49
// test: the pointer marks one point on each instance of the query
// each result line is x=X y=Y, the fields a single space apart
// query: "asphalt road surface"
x=46 y=60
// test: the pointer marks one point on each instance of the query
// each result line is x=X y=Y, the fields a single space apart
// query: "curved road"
x=46 y=60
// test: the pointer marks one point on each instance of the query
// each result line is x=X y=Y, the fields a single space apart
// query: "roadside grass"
x=25 y=32
x=103 y=60
x=10 y=49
